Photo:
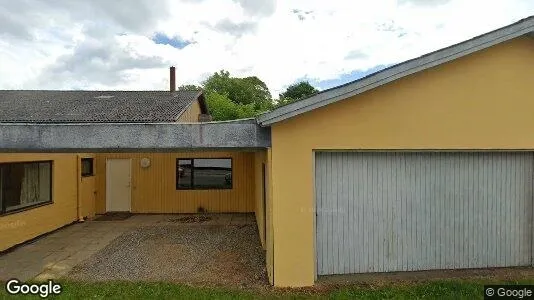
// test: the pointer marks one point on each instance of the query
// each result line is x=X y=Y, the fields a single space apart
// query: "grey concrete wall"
x=133 y=136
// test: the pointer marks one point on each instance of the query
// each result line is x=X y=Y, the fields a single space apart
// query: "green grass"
x=441 y=289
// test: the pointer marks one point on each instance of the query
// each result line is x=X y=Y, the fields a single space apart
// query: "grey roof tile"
x=34 y=106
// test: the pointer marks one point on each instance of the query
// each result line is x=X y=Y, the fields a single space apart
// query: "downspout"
x=79 y=188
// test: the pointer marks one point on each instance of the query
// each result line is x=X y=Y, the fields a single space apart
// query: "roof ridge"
x=52 y=106
x=315 y=100
x=434 y=52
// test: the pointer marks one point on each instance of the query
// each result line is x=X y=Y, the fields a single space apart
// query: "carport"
x=153 y=153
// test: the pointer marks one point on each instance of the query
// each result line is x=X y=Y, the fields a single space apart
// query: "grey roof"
x=520 y=28
x=33 y=106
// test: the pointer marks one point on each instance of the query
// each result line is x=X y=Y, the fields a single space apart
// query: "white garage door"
x=382 y=212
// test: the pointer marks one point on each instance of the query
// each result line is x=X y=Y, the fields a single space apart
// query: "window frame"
x=3 y=207
x=192 y=187
x=92 y=159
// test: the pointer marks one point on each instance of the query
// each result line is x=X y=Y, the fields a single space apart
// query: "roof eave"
x=396 y=72
x=127 y=137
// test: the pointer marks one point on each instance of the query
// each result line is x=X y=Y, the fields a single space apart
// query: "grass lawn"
x=440 y=289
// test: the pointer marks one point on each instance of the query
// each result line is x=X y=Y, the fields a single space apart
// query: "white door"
x=118 y=182
x=384 y=212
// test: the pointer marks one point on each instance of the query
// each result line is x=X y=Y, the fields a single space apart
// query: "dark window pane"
x=184 y=174
x=87 y=166
x=25 y=184
x=45 y=182
x=212 y=173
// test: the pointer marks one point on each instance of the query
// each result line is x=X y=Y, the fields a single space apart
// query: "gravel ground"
x=196 y=254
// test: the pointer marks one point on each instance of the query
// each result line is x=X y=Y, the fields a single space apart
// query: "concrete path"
x=54 y=255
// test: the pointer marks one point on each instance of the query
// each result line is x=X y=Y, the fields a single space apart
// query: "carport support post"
x=532 y=220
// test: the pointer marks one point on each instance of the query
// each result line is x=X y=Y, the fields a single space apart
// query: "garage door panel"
x=380 y=212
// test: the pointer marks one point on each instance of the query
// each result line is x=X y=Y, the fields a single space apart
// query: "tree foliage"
x=222 y=108
x=296 y=92
x=189 y=87
x=248 y=90
x=232 y=98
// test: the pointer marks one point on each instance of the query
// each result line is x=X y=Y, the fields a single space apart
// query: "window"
x=23 y=185
x=204 y=174
x=87 y=167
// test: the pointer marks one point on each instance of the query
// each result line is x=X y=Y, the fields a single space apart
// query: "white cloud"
x=72 y=44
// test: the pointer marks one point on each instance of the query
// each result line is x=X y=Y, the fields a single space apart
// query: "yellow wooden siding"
x=190 y=115
x=481 y=101
x=87 y=191
x=19 y=227
x=154 y=188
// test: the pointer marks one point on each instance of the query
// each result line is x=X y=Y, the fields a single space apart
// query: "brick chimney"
x=173 y=79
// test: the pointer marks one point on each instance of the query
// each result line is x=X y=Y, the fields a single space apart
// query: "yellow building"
x=424 y=165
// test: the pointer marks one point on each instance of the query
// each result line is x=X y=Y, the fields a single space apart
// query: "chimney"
x=173 y=79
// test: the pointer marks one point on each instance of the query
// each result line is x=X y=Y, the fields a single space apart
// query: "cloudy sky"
x=129 y=44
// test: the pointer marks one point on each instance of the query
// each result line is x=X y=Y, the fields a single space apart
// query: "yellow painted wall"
x=154 y=188
x=269 y=239
x=191 y=114
x=259 y=160
x=266 y=236
x=19 y=227
x=481 y=101
x=87 y=191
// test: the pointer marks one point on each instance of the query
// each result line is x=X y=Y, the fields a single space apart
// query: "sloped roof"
x=34 y=106
x=520 y=28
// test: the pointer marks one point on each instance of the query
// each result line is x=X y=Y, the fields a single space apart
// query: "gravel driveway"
x=186 y=253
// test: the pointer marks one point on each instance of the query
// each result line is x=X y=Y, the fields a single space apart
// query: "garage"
x=407 y=211
x=424 y=165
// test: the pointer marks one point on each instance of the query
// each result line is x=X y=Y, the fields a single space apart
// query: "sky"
x=130 y=44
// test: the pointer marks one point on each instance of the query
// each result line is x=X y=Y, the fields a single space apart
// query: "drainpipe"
x=79 y=188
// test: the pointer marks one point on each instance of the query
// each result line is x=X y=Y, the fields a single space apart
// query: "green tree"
x=219 y=82
x=296 y=92
x=257 y=90
x=223 y=109
x=189 y=87
x=248 y=90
